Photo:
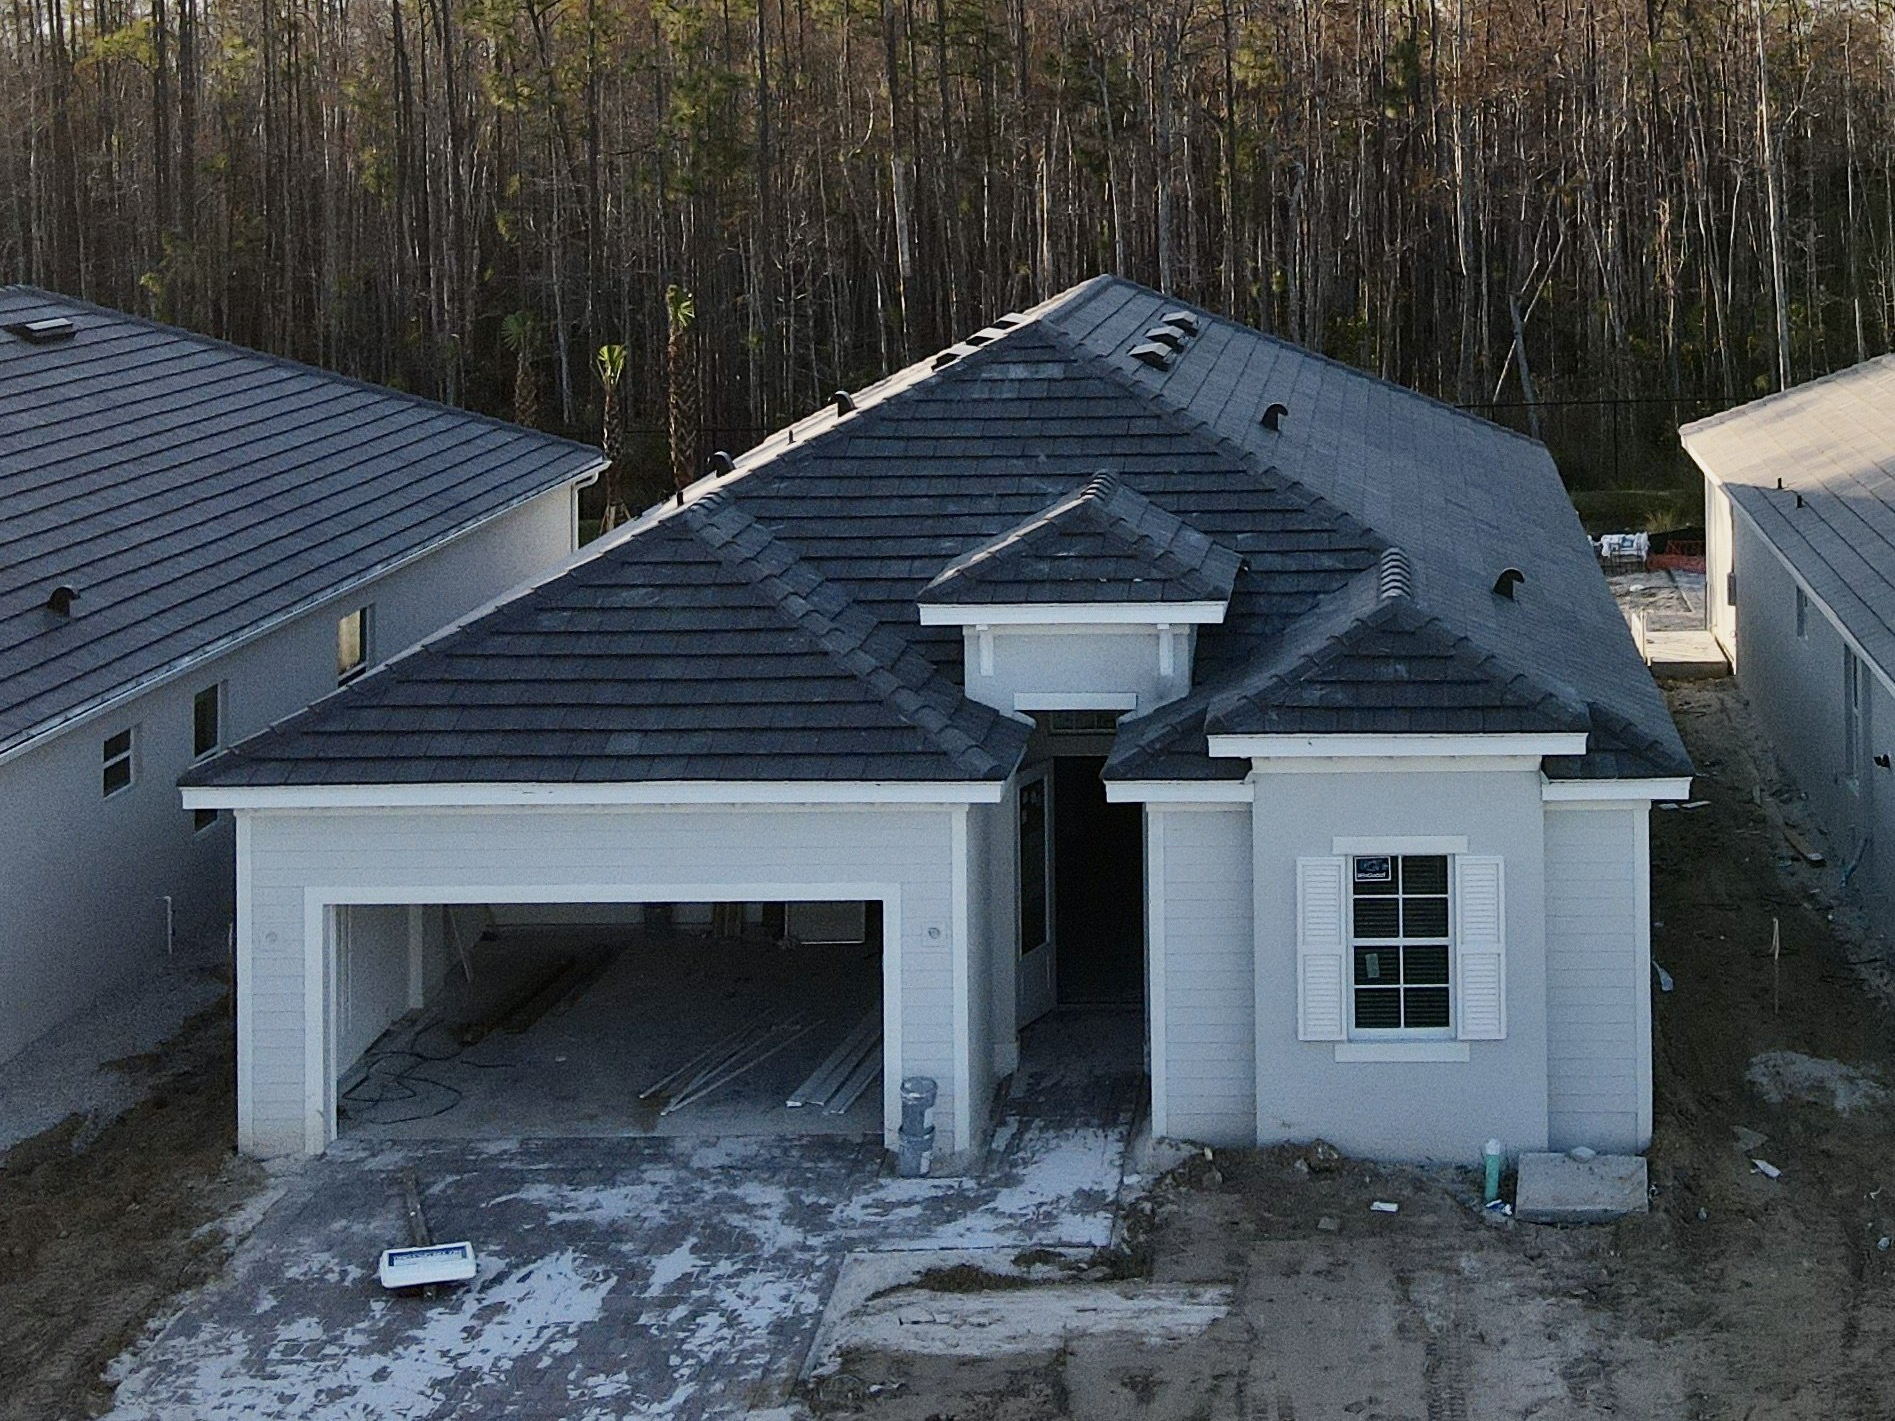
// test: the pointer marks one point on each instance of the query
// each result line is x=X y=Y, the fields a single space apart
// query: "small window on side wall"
x=116 y=774
x=202 y=819
x=207 y=721
x=352 y=645
x=1802 y=614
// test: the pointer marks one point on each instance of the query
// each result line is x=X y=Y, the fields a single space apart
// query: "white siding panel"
x=1595 y=971
x=1210 y=995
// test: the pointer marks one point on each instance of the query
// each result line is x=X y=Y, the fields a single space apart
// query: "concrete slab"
x=1558 y=1189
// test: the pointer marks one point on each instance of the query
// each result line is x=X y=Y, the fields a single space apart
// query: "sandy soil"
x=96 y=1241
x=1739 y=1296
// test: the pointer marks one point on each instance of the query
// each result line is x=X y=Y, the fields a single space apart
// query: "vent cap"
x=48 y=331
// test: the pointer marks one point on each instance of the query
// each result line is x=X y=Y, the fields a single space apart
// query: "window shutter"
x=1322 y=949
x=1480 y=947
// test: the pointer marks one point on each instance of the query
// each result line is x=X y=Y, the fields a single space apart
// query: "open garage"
x=575 y=1019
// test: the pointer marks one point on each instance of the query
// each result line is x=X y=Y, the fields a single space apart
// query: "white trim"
x=665 y=792
x=960 y=959
x=1400 y=844
x=1567 y=791
x=1642 y=913
x=1047 y=614
x=321 y=902
x=1403 y=1051
x=1271 y=747
x=1155 y=971
x=1396 y=764
x=246 y=995
x=223 y=646
x=1207 y=794
x=1075 y=701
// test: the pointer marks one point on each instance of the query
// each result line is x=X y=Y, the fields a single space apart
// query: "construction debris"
x=844 y=1068
x=734 y=1055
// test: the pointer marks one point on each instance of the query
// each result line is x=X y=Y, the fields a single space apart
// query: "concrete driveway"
x=630 y=1277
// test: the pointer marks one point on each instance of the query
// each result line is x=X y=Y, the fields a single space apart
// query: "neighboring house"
x=1799 y=495
x=1118 y=653
x=198 y=541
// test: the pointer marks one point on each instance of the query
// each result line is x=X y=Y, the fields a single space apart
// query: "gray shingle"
x=191 y=491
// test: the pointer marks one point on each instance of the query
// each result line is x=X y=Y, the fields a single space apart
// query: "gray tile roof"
x=190 y=491
x=768 y=655
x=1103 y=542
x=1831 y=444
x=697 y=647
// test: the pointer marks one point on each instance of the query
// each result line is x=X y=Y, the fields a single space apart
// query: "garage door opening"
x=551 y=1020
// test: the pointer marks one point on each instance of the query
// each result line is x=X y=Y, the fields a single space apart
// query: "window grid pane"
x=1400 y=926
x=206 y=729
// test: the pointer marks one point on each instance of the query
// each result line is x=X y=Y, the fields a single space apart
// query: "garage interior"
x=561 y=1020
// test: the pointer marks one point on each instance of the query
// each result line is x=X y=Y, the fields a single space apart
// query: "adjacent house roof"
x=976 y=474
x=1814 y=467
x=190 y=493
x=1104 y=542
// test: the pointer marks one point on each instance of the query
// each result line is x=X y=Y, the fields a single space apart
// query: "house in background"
x=1799 y=493
x=199 y=540
x=1118 y=658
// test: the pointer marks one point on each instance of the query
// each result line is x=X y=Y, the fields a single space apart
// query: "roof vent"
x=61 y=598
x=1273 y=417
x=720 y=462
x=1166 y=335
x=1153 y=354
x=1779 y=483
x=1799 y=500
x=978 y=338
x=43 y=332
x=1010 y=320
x=845 y=402
x=1394 y=576
x=946 y=357
x=1510 y=578
x=1183 y=320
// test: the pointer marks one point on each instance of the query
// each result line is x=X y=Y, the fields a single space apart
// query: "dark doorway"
x=1098 y=888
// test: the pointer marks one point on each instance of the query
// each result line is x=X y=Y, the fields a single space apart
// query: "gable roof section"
x=193 y=492
x=696 y=648
x=1103 y=543
x=1832 y=444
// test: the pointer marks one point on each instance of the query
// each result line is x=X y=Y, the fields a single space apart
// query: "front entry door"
x=1033 y=976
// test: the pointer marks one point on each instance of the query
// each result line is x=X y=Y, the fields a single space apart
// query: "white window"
x=352 y=644
x=1802 y=615
x=1400 y=945
x=117 y=772
x=207 y=721
x=1400 y=948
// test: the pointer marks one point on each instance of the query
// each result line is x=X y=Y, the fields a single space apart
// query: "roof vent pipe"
x=845 y=402
x=1394 y=575
x=1799 y=500
x=61 y=598
x=1273 y=417
x=1510 y=578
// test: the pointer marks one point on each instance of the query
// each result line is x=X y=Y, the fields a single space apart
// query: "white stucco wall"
x=293 y=864
x=1598 y=975
x=1407 y=1110
x=1202 y=988
x=82 y=875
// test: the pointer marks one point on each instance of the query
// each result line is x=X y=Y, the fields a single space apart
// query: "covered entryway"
x=575 y=1019
x=1099 y=889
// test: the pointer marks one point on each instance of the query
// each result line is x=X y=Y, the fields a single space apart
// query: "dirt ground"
x=95 y=1243
x=1738 y=1296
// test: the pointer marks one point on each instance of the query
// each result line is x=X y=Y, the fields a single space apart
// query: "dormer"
x=1093 y=603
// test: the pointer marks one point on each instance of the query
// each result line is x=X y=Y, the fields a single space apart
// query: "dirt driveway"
x=1739 y=1296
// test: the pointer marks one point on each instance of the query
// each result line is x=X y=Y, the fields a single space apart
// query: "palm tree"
x=520 y=333
x=610 y=365
x=681 y=384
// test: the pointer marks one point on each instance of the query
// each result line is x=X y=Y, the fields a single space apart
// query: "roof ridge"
x=898 y=674
x=1828 y=377
x=290 y=362
x=1200 y=428
x=1331 y=361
